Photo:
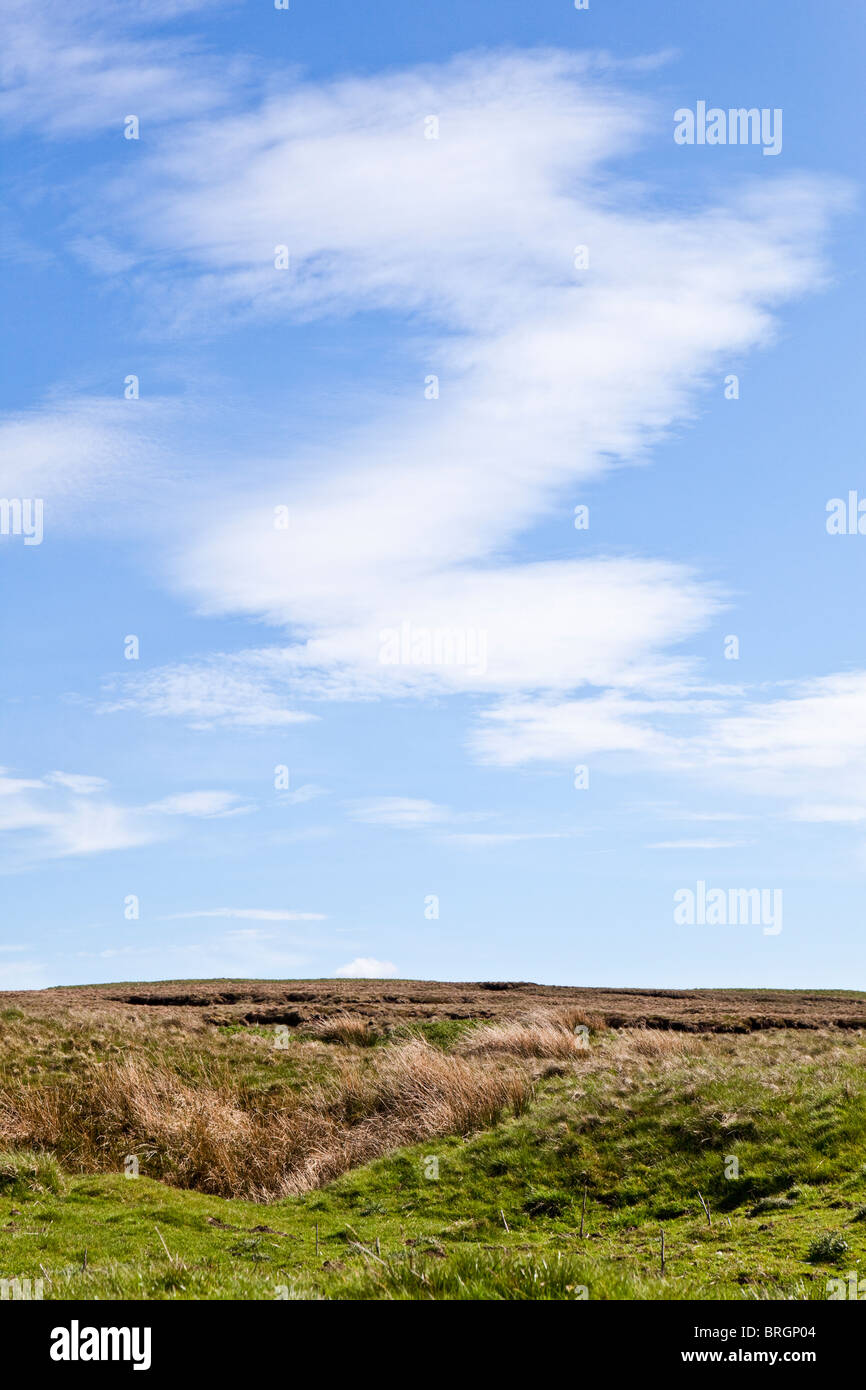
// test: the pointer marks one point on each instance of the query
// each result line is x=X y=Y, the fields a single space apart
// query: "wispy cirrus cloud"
x=208 y=805
x=69 y=71
x=549 y=374
x=75 y=782
x=299 y=796
x=413 y=813
x=400 y=812
x=69 y=448
x=802 y=744
x=217 y=692
x=62 y=815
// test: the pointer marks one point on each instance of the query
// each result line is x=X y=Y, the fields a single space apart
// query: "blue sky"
x=288 y=494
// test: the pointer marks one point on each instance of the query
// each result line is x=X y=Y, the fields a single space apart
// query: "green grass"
x=441 y=1032
x=23 y=1172
x=643 y=1139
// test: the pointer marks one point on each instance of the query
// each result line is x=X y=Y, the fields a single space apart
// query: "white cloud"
x=515 y=129
x=365 y=968
x=62 y=814
x=819 y=725
x=77 y=452
x=399 y=812
x=543 y=626
x=525 y=731
x=82 y=786
x=805 y=748
x=548 y=375
x=12 y=786
x=219 y=692
x=300 y=795
x=408 y=813
x=56 y=823
x=71 y=70
x=87 y=828
x=205 y=804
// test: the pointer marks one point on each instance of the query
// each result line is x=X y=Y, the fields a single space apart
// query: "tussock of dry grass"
x=660 y=1043
x=572 y=1016
x=346 y=1028
x=544 y=1035
x=259 y=1145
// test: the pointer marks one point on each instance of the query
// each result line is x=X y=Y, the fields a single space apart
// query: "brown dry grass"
x=540 y=1035
x=348 y=1029
x=654 y=1042
x=218 y=1139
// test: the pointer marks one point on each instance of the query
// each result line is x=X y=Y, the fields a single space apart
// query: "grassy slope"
x=645 y=1137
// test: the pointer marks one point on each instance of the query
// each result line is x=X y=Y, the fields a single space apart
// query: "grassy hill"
x=350 y=1156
